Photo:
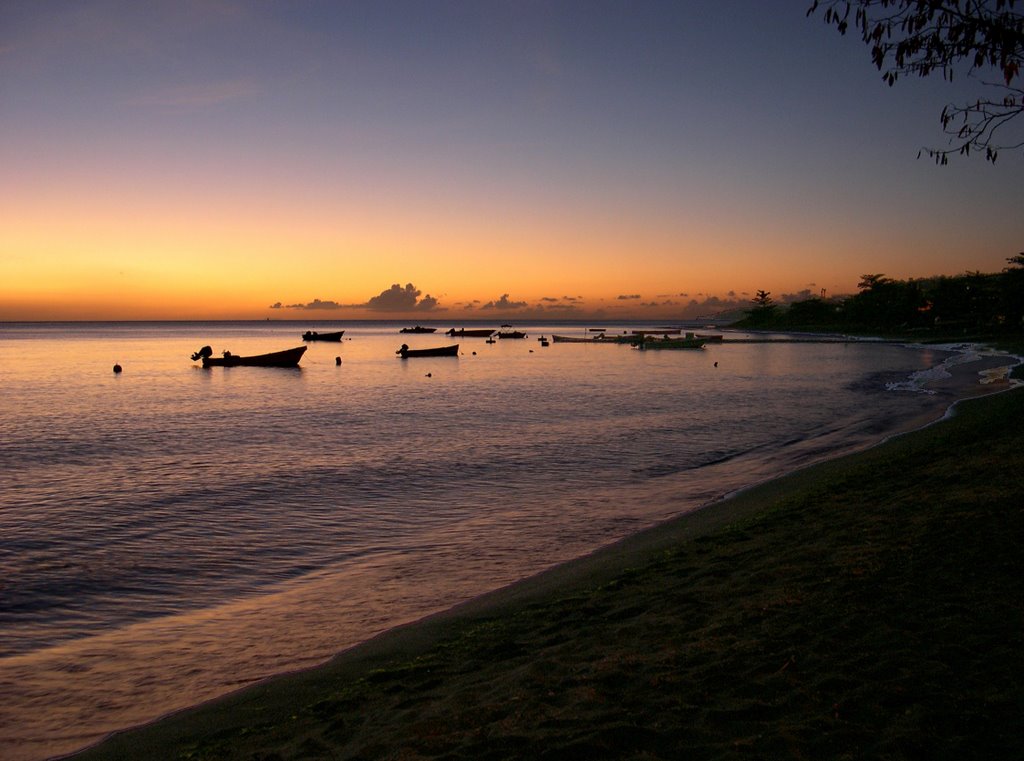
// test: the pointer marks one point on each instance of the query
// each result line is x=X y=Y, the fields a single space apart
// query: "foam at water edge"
x=964 y=353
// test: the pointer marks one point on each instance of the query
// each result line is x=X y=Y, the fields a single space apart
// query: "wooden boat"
x=617 y=338
x=312 y=335
x=417 y=329
x=471 y=332
x=512 y=334
x=440 y=351
x=602 y=339
x=709 y=337
x=662 y=332
x=286 y=358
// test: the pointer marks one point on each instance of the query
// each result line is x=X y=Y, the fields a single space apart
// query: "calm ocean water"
x=172 y=533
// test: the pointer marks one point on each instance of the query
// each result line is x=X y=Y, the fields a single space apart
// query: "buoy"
x=117 y=368
x=716 y=364
x=337 y=360
x=474 y=353
x=429 y=375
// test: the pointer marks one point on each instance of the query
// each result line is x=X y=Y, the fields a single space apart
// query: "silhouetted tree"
x=763 y=311
x=1011 y=292
x=869 y=282
x=886 y=304
x=810 y=313
x=919 y=37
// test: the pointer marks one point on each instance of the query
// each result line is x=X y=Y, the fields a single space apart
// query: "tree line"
x=973 y=304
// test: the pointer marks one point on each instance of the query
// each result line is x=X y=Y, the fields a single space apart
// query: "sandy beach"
x=867 y=606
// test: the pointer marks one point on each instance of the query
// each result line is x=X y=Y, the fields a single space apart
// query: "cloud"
x=628 y=297
x=503 y=304
x=275 y=305
x=551 y=299
x=314 y=304
x=427 y=304
x=399 y=299
x=395 y=299
x=789 y=298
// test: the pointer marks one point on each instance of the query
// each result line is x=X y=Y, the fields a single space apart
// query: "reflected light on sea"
x=170 y=533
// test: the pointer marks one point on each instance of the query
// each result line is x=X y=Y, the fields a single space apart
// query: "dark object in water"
x=337 y=360
x=440 y=351
x=312 y=335
x=471 y=332
x=417 y=329
x=689 y=342
x=117 y=368
x=512 y=334
x=286 y=358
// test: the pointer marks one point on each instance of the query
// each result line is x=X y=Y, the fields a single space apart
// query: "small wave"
x=963 y=353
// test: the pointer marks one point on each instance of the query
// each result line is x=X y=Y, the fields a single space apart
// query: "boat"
x=602 y=339
x=417 y=329
x=711 y=337
x=512 y=334
x=471 y=332
x=286 y=358
x=689 y=342
x=617 y=338
x=440 y=351
x=312 y=335
x=658 y=332
x=544 y=341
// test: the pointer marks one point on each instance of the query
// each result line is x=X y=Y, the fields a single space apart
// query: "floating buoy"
x=117 y=368
x=337 y=360
x=429 y=375
x=474 y=353
x=716 y=364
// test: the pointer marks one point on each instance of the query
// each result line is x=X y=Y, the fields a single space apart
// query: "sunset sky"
x=343 y=160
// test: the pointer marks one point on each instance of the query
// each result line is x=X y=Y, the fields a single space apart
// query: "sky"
x=454 y=160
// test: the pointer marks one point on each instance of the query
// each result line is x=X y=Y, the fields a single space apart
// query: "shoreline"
x=603 y=563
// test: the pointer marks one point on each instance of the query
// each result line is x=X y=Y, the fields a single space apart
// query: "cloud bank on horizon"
x=394 y=299
x=408 y=299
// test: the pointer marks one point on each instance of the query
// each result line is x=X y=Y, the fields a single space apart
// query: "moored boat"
x=512 y=334
x=286 y=358
x=417 y=329
x=439 y=351
x=471 y=332
x=312 y=335
x=689 y=342
x=602 y=339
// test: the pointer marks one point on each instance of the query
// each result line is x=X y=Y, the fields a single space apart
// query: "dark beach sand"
x=867 y=607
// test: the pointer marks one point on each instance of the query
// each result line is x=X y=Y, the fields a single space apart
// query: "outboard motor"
x=203 y=353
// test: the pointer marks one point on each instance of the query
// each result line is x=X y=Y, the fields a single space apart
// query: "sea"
x=169 y=534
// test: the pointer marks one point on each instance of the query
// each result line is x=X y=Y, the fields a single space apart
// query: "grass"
x=870 y=607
